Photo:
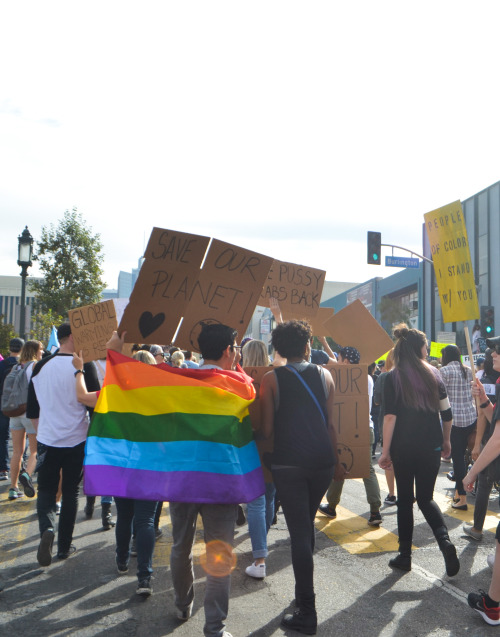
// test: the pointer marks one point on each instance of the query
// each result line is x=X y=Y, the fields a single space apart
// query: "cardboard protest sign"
x=352 y=417
x=317 y=322
x=227 y=291
x=92 y=327
x=452 y=263
x=297 y=288
x=265 y=446
x=164 y=286
x=354 y=326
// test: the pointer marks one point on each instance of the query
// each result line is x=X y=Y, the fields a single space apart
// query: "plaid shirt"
x=459 y=393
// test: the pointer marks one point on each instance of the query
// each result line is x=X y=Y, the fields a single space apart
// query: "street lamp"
x=24 y=256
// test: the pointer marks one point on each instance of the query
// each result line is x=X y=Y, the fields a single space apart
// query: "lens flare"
x=219 y=559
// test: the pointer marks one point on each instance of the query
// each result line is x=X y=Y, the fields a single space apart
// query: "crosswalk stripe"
x=352 y=532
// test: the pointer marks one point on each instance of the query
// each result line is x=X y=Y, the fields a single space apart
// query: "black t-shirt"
x=414 y=428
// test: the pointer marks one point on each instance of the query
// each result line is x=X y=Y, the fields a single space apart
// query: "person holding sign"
x=297 y=402
x=415 y=395
x=457 y=379
x=488 y=604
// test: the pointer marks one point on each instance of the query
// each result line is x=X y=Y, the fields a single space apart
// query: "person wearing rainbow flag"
x=219 y=351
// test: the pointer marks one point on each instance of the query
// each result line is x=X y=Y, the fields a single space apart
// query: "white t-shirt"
x=63 y=421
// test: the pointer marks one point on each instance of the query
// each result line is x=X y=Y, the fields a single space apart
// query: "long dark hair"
x=451 y=353
x=415 y=381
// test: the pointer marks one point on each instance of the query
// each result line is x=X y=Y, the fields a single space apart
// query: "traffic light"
x=374 y=248
x=487 y=321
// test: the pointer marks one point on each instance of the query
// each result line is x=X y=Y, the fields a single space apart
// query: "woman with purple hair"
x=414 y=442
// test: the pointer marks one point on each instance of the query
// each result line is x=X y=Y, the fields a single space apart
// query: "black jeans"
x=300 y=492
x=419 y=467
x=458 y=438
x=51 y=462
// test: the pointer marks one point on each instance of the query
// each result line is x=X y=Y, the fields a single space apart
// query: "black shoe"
x=451 y=560
x=25 y=480
x=88 y=511
x=44 y=554
x=301 y=622
x=403 y=562
x=241 y=517
x=121 y=567
x=144 y=587
x=63 y=555
x=327 y=510
x=107 y=519
x=375 y=519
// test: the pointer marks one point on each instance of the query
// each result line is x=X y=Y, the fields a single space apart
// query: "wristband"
x=79 y=371
x=483 y=405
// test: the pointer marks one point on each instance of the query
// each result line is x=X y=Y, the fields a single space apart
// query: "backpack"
x=15 y=391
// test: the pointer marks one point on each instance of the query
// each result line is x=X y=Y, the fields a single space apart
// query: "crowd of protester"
x=421 y=412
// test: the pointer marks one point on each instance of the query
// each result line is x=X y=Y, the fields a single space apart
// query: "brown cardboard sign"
x=317 y=322
x=227 y=291
x=92 y=327
x=298 y=289
x=352 y=417
x=164 y=287
x=354 y=326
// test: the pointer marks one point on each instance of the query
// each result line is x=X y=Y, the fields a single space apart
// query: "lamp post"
x=24 y=256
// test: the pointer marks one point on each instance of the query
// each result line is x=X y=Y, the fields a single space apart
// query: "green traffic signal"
x=374 y=240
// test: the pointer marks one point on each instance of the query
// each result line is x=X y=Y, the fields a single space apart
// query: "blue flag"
x=53 y=341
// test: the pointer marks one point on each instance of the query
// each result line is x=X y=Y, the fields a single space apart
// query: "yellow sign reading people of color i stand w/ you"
x=452 y=264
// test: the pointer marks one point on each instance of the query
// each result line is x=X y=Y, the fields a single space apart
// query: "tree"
x=7 y=333
x=42 y=325
x=70 y=260
x=393 y=312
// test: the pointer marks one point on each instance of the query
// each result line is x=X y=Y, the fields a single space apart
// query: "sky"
x=288 y=128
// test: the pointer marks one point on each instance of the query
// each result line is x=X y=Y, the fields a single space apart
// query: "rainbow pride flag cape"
x=175 y=435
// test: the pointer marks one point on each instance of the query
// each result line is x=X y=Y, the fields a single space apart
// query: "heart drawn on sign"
x=149 y=323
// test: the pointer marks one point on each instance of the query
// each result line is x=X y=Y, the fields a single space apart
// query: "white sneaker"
x=491 y=560
x=257 y=571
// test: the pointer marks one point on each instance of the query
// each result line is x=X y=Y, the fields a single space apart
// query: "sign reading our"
x=171 y=286
x=92 y=327
x=296 y=287
x=227 y=291
x=452 y=263
x=351 y=417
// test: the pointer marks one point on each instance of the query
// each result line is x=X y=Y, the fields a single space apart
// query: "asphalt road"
x=358 y=595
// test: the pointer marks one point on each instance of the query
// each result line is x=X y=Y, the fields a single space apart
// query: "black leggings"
x=300 y=492
x=459 y=437
x=419 y=467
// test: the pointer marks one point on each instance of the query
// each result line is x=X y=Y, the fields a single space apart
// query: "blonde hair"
x=255 y=354
x=145 y=357
x=177 y=359
x=29 y=351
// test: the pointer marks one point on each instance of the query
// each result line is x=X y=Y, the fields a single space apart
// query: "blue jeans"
x=260 y=513
x=142 y=514
x=4 y=442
